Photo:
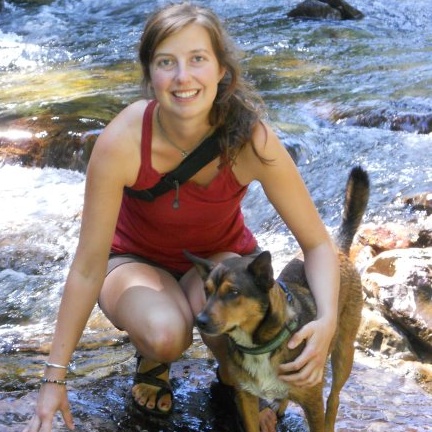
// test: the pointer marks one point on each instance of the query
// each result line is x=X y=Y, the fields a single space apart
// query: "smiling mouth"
x=185 y=94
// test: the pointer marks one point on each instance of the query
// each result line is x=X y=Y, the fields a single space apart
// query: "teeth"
x=186 y=94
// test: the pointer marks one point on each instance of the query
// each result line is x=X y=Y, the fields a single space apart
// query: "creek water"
x=62 y=57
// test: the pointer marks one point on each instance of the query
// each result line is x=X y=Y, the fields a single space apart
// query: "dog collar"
x=286 y=332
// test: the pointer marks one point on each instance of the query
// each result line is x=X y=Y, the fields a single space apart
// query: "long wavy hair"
x=237 y=107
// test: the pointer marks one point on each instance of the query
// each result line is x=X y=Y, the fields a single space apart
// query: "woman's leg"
x=148 y=303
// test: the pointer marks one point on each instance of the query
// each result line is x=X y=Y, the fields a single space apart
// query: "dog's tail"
x=356 y=199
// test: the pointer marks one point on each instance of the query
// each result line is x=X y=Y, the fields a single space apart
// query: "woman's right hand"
x=52 y=398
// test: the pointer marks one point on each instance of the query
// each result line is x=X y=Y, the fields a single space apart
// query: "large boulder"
x=398 y=283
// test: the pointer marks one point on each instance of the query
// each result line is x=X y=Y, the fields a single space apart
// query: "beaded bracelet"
x=56 y=366
x=52 y=381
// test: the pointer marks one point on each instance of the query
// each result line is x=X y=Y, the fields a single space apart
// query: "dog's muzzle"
x=204 y=323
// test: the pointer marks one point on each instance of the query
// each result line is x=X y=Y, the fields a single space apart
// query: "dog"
x=259 y=314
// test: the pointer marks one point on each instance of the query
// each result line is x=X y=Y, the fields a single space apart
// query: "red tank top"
x=209 y=219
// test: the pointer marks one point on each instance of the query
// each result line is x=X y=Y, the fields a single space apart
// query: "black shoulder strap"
x=207 y=151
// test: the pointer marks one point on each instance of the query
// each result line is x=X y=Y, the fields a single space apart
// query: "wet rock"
x=59 y=141
x=421 y=124
x=395 y=121
x=377 y=336
x=422 y=373
x=314 y=9
x=32 y=2
x=325 y=9
x=399 y=284
x=421 y=201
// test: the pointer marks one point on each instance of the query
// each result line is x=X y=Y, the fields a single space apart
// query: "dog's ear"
x=203 y=266
x=262 y=270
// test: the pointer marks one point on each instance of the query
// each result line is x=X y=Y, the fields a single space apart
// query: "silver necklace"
x=183 y=152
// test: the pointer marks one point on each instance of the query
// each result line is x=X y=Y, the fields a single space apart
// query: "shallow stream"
x=78 y=58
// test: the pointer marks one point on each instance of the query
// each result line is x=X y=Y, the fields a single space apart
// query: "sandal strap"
x=156 y=371
x=144 y=378
x=150 y=377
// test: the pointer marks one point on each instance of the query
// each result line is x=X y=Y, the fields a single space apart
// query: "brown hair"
x=237 y=107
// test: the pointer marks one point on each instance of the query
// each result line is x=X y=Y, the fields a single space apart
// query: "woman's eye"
x=198 y=59
x=165 y=63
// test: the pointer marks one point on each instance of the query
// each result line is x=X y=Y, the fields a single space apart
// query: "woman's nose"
x=183 y=72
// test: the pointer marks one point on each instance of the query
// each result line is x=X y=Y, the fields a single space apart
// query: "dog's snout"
x=202 y=321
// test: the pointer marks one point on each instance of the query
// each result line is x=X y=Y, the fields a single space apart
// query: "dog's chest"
x=261 y=378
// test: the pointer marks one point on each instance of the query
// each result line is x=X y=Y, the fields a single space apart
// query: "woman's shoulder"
x=133 y=113
x=119 y=144
x=264 y=154
x=126 y=126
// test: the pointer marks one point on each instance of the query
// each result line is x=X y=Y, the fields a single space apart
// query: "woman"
x=150 y=289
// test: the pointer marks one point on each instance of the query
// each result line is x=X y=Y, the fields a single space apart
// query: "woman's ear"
x=222 y=73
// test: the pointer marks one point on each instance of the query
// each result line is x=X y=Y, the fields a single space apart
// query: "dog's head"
x=237 y=291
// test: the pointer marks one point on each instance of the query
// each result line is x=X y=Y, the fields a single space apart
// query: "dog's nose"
x=202 y=321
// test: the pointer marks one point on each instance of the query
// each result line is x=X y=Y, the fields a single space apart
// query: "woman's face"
x=185 y=73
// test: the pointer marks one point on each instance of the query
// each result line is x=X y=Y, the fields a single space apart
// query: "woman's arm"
x=287 y=192
x=114 y=163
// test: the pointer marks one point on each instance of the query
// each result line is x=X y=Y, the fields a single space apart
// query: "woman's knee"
x=162 y=343
x=159 y=325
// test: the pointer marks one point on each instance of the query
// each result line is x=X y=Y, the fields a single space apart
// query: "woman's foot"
x=152 y=392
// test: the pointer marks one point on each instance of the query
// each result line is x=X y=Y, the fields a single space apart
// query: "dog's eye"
x=232 y=294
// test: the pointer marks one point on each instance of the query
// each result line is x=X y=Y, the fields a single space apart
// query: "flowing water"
x=78 y=58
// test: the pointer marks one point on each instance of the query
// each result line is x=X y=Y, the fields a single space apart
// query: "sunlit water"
x=314 y=77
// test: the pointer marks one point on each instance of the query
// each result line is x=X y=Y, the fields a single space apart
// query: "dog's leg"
x=248 y=408
x=283 y=404
x=312 y=403
x=342 y=359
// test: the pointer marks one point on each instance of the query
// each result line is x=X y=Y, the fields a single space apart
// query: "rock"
x=384 y=237
x=399 y=284
x=325 y=9
x=393 y=235
x=420 y=201
x=392 y=120
x=60 y=142
x=347 y=11
x=377 y=336
x=314 y=9
x=418 y=123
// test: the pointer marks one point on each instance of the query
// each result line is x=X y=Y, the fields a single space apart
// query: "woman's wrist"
x=53 y=381
x=329 y=321
x=56 y=365
x=55 y=371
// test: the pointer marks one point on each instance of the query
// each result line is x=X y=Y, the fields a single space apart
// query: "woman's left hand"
x=307 y=370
